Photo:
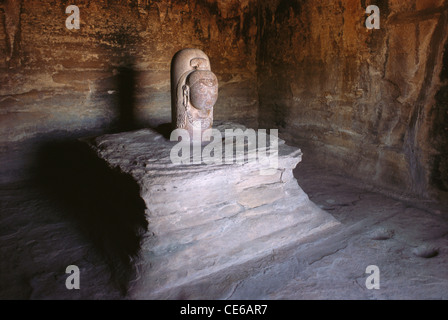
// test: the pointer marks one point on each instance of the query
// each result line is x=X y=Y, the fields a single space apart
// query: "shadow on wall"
x=123 y=64
x=103 y=203
x=125 y=103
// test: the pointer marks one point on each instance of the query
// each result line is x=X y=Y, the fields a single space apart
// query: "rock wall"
x=372 y=103
x=115 y=68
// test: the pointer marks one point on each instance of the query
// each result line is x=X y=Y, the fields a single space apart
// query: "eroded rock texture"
x=207 y=219
x=12 y=30
x=115 y=70
x=372 y=102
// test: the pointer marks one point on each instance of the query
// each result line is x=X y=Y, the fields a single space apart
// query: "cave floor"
x=406 y=239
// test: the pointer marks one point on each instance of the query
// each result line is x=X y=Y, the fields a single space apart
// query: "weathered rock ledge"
x=203 y=219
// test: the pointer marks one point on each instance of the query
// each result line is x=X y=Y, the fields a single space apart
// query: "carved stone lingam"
x=194 y=91
x=202 y=247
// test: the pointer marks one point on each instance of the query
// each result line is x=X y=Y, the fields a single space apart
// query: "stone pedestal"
x=204 y=219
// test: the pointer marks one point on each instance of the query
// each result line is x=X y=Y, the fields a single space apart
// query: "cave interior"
x=368 y=107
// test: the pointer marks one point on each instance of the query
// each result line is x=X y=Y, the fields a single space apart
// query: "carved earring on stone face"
x=186 y=95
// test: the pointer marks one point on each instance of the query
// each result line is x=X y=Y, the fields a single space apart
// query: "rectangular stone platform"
x=204 y=219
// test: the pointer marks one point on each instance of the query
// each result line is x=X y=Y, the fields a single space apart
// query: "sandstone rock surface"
x=118 y=59
x=370 y=102
x=204 y=219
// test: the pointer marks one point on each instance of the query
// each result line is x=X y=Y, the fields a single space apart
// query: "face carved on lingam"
x=194 y=90
x=203 y=90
